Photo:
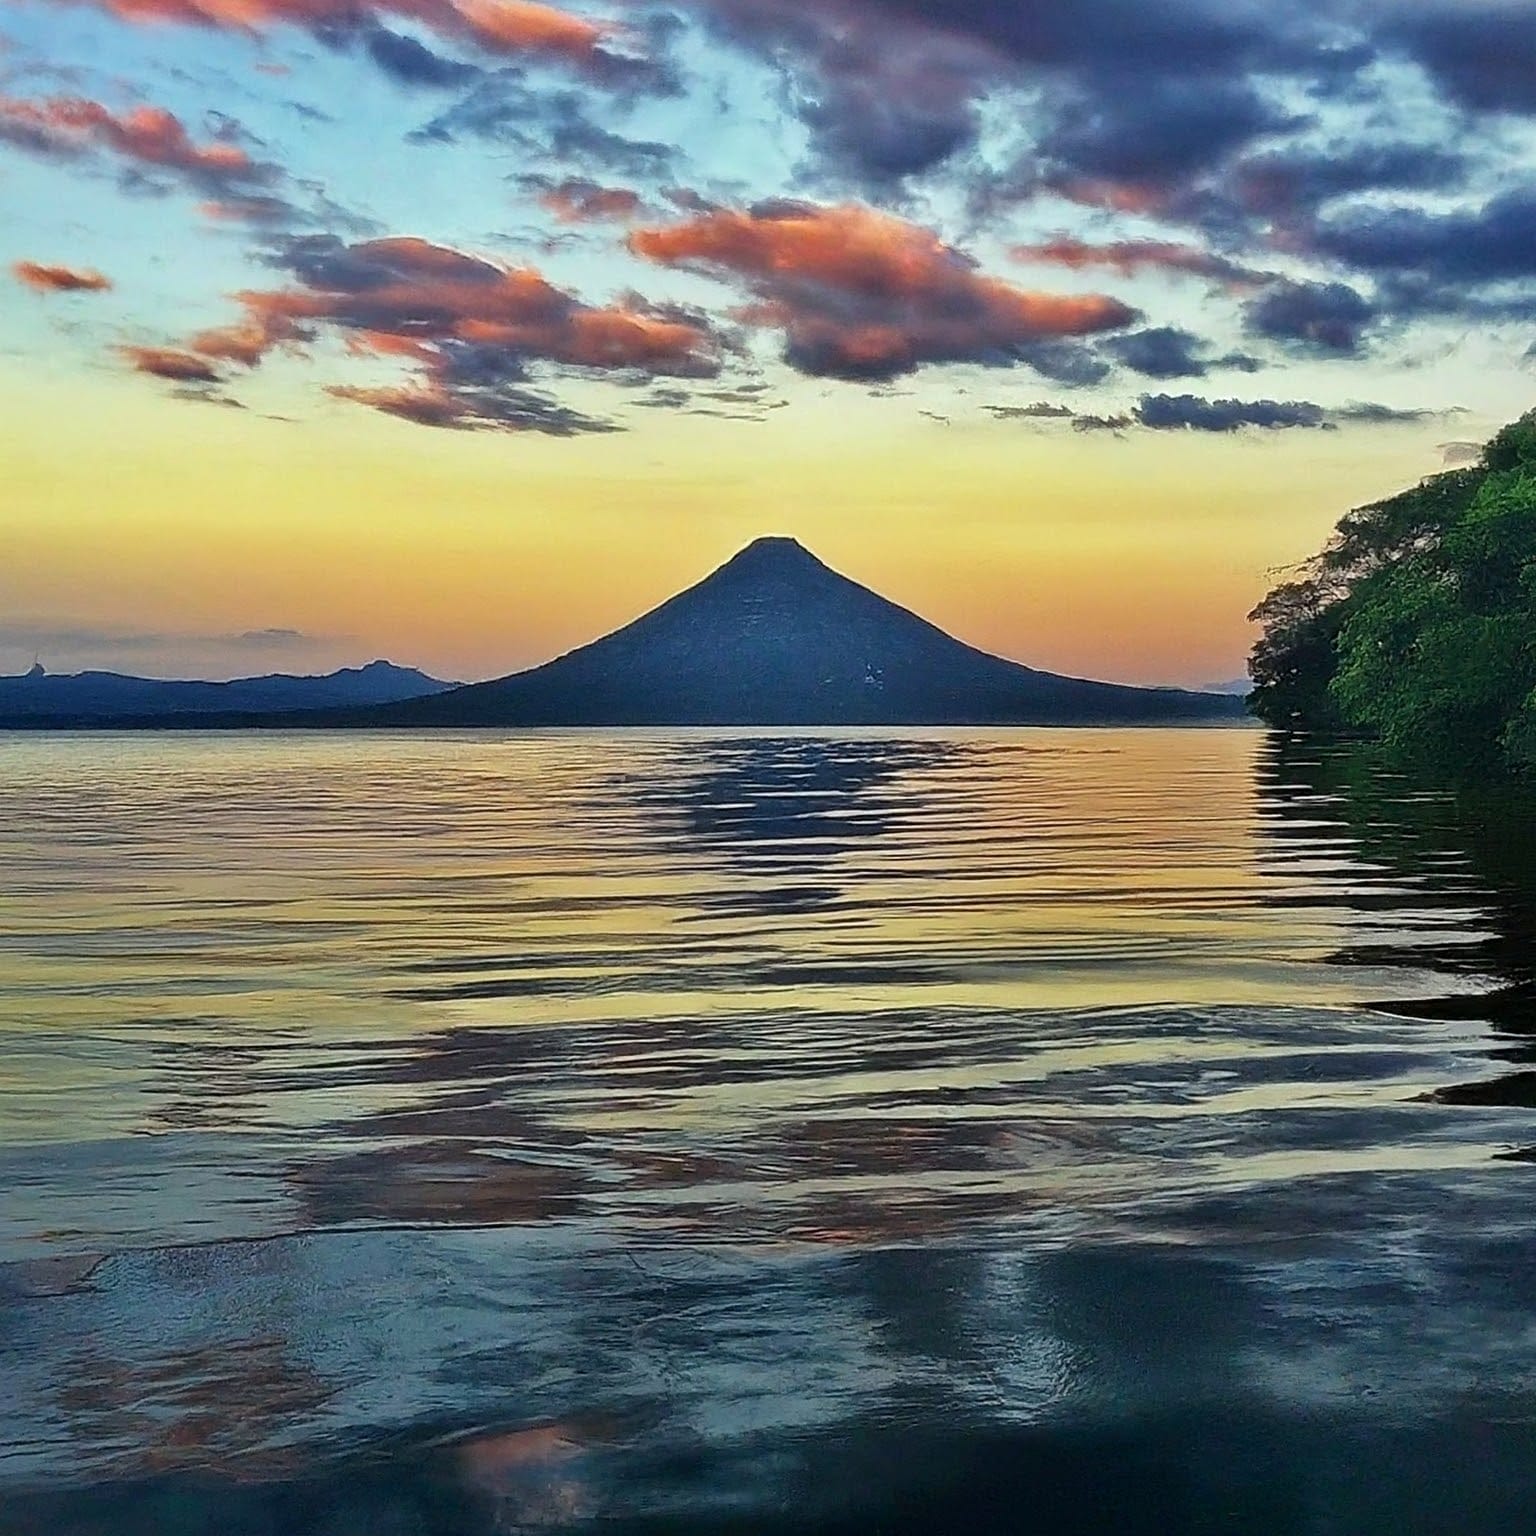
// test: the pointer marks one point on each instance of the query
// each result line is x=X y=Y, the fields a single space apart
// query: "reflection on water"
x=1052 y=1131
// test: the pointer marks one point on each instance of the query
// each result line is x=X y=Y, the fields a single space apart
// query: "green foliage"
x=1383 y=532
x=1417 y=622
x=1293 y=661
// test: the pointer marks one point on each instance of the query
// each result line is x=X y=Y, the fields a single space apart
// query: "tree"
x=1417 y=621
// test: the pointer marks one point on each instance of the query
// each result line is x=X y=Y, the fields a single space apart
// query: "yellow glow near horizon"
x=473 y=555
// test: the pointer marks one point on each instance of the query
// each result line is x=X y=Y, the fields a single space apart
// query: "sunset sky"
x=459 y=331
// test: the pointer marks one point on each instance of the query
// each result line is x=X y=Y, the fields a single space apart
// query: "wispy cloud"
x=143 y=137
x=522 y=28
x=44 y=277
x=46 y=634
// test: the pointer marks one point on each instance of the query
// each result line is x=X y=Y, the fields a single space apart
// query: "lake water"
x=1081 y=1131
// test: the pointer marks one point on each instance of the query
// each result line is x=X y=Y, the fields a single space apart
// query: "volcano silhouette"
x=774 y=637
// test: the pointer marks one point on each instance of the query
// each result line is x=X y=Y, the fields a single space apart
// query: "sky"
x=461 y=331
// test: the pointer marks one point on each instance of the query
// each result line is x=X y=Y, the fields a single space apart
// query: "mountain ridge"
x=98 y=695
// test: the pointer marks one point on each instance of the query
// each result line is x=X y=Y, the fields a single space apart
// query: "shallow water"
x=952 y=1130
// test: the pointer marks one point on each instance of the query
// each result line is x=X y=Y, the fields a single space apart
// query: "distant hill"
x=775 y=637
x=82 y=698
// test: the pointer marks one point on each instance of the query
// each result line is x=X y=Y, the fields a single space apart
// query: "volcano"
x=775 y=637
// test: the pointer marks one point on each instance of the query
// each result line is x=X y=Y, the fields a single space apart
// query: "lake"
x=1046 y=1131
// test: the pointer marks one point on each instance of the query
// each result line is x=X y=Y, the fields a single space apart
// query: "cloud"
x=171 y=363
x=153 y=149
x=893 y=88
x=1327 y=318
x=1137 y=128
x=1083 y=422
x=1290 y=184
x=256 y=209
x=883 y=115
x=44 y=278
x=1192 y=413
x=1175 y=412
x=437 y=404
x=411 y=62
x=1038 y=410
x=861 y=294
x=1492 y=243
x=1168 y=352
x=501 y=27
x=143 y=142
x=470 y=328
x=1242 y=120
x=1067 y=362
x=143 y=137
x=67 y=634
x=549 y=126
x=1483 y=52
x=1164 y=413
x=578 y=200
x=272 y=638
x=1131 y=257
x=883 y=97
x=1373 y=414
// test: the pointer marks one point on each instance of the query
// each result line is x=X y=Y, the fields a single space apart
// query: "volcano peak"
x=776 y=637
x=772 y=554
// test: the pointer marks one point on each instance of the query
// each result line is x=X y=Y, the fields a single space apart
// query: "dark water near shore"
x=1082 y=1131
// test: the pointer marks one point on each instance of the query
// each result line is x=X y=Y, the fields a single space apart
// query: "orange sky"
x=473 y=555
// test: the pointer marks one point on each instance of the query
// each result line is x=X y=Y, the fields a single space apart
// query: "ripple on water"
x=739 y=1055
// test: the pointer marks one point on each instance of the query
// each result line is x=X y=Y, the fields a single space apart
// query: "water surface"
x=998 y=1130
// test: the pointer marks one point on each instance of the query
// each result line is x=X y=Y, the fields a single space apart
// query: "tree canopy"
x=1417 y=620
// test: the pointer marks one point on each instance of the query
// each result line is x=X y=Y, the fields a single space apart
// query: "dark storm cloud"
x=881 y=102
x=1493 y=243
x=1140 y=129
x=1169 y=352
x=1297 y=180
x=891 y=88
x=1164 y=413
x=1193 y=413
x=1483 y=55
x=1271 y=130
x=1188 y=36
x=413 y=63
x=1067 y=362
x=877 y=140
x=1326 y=318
